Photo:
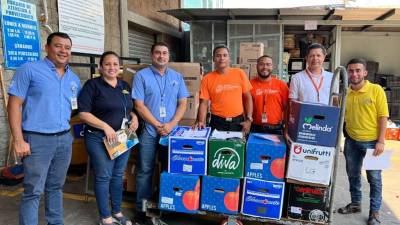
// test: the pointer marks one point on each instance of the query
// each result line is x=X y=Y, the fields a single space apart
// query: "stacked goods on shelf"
x=313 y=130
x=264 y=171
x=187 y=160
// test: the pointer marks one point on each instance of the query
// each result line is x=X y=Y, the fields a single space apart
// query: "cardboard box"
x=79 y=153
x=187 y=151
x=220 y=194
x=308 y=203
x=179 y=193
x=265 y=157
x=187 y=122
x=262 y=198
x=310 y=163
x=313 y=124
x=131 y=177
x=191 y=74
x=192 y=106
x=130 y=70
x=244 y=67
x=249 y=52
x=226 y=154
x=253 y=71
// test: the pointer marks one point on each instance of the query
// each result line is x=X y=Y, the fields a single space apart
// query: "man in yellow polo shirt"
x=366 y=117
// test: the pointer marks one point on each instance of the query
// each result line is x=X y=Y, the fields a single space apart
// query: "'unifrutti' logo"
x=312 y=151
x=226 y=158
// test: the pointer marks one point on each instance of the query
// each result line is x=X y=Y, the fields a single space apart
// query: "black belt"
x=229 y=119
x=267 y=126
x=46 y=134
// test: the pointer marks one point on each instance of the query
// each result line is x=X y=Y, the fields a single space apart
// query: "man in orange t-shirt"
x=270 y=98
x=228 y=91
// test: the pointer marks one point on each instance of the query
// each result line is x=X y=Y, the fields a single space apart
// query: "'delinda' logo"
x=297 y=149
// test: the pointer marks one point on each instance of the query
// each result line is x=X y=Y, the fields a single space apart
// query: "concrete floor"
x=81 y=211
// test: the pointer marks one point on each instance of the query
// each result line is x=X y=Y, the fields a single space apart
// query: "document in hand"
x=380 y=162
x=125 y=141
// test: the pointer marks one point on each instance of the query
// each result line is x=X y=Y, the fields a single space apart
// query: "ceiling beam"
x=382 y=17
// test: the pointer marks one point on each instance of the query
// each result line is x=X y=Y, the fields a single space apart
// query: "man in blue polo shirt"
x=42 y=96
x=160 y=99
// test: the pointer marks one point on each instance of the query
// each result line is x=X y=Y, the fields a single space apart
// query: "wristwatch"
x=249 y=118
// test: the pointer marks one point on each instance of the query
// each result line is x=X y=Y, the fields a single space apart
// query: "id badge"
x=163 y=112
x=124 y=123
x=74 y=103
x=264 y=118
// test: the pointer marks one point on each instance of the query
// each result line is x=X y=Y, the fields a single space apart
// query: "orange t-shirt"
x=225 y=92
x=269 y=97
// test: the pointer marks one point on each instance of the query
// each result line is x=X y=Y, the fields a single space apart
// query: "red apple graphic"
x=231 y=200
x=278 y=167
x=197 y=188
x=191 y=200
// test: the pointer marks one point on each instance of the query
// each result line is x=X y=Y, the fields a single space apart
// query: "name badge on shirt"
x=124 y=123
x=163 y=112
x=74 y=103
x=264 y=118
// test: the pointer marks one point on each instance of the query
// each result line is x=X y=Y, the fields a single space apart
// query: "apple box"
x=265 y=157
x=313 y=124
x=220 y=194
x=262 y=198
x=187 y=151
x=226 y=154
x=310 y=163
x=179 y=193
x=308 y=203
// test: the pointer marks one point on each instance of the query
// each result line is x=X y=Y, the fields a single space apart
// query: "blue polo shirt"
x=47 y=96
x=109 y=104
x=148 y=86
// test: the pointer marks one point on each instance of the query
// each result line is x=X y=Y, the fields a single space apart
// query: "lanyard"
x=124 y=101
x=265 y=95
x=162 y=91
x=317 y=89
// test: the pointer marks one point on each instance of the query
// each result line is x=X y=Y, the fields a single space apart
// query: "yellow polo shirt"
x=363 y=109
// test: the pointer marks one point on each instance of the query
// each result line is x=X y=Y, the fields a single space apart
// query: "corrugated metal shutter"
x=140 y=44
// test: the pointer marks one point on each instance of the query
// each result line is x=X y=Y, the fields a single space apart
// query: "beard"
x=356 y=82
x=264 y=76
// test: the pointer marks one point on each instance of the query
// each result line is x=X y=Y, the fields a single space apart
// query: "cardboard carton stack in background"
x=249 y=52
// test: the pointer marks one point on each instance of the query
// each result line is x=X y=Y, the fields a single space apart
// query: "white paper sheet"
x=381 y=162
x=226 y=134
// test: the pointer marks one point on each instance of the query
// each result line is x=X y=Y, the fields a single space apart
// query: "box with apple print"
x=187 y=151
x=262 y=198
x=220 y=194
x=179 y=193
x=265 y=157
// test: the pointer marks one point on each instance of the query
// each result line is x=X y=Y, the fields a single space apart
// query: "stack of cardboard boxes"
x=187 y=161
x=249 y=52
x=264 y=182
x=313 y=130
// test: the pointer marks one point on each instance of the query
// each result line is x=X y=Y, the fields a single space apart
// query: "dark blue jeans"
x=354 y=152
x=108 y=174
x=45 y=170
x=148 y=148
